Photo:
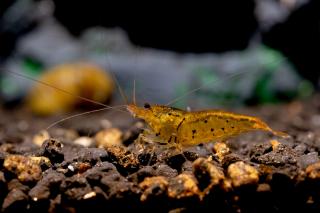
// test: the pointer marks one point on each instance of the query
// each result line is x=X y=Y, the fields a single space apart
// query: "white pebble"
x=84 y=141
x=89 y=195
x=71 y=168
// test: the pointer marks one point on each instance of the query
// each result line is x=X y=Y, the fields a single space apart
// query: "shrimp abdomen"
x=211 y=125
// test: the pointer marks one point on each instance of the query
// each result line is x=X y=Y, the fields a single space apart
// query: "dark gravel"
x=255 y=172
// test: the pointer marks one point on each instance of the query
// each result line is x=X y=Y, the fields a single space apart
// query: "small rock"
x=109 y=137
x=125 y=161
x=313 y=171
x=41 y=160
x=193 y=152
x=27 y=169
x=15 y=201
x=187 y=167
x=110 y=179
x=75 y=187
x=101 y=169
x=39 y=192
x=191 y=156
x=7 y=148
x=52 y=149
x=91 y=155
x=16 y=184
x=71 y=168
x=260 y=149
x=176 y=161
x=55 y=204
x=84 y=141
x=147 y=157
x=242 y=174
x=308 y=159
x=153 y=188
x=178 y=210
x=89 y=195
x=264 y=187
x=2 y=182
x=300 y=149
x=229 y=159
x=50 y=182
x=207 y=174
x=22 y=125
x=39 y=138
x=307 y=137
x=2 y=157
x=64 y=134
x=274 y=144
x=79 y=167
x=279 y=156
x=183 y=186
x=141 y=174
x=117 y=187
x=221 y=150
x=166 y=171
x=105 y=124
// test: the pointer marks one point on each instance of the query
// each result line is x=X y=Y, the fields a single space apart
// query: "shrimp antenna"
x=134 y=92
x=57 y=88
x=123 y=95
x=84 y=113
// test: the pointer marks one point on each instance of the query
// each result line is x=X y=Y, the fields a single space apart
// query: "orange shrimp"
x=192 y=128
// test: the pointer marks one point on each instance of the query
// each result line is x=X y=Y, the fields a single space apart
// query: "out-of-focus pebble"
x=308 y=159
x=39 y=138
x=264 y=187
x=89 y=195
x=153 y=187
x=127 y=162
x=27 y=169
x=23 y=125
x=105 y=124
x=64 y=134
x=79 y=79
x=183 y=186
x=167 y=171
x=242 y=174
x=205 y=170
x=84 y=141
x=109 y=137
x=221 y=150
x=52 y=149
x=274 y=144
x=313 y=171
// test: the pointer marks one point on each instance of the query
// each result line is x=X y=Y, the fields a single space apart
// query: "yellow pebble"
x=79 y=79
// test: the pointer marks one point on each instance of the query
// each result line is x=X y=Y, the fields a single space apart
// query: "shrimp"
x=183 y=128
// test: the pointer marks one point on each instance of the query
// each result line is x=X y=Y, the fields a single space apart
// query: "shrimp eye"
x=147 y=106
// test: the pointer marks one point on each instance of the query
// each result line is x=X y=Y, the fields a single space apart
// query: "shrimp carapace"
x=192 y=128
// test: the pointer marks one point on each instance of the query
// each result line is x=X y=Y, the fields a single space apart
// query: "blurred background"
x=236 y=53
